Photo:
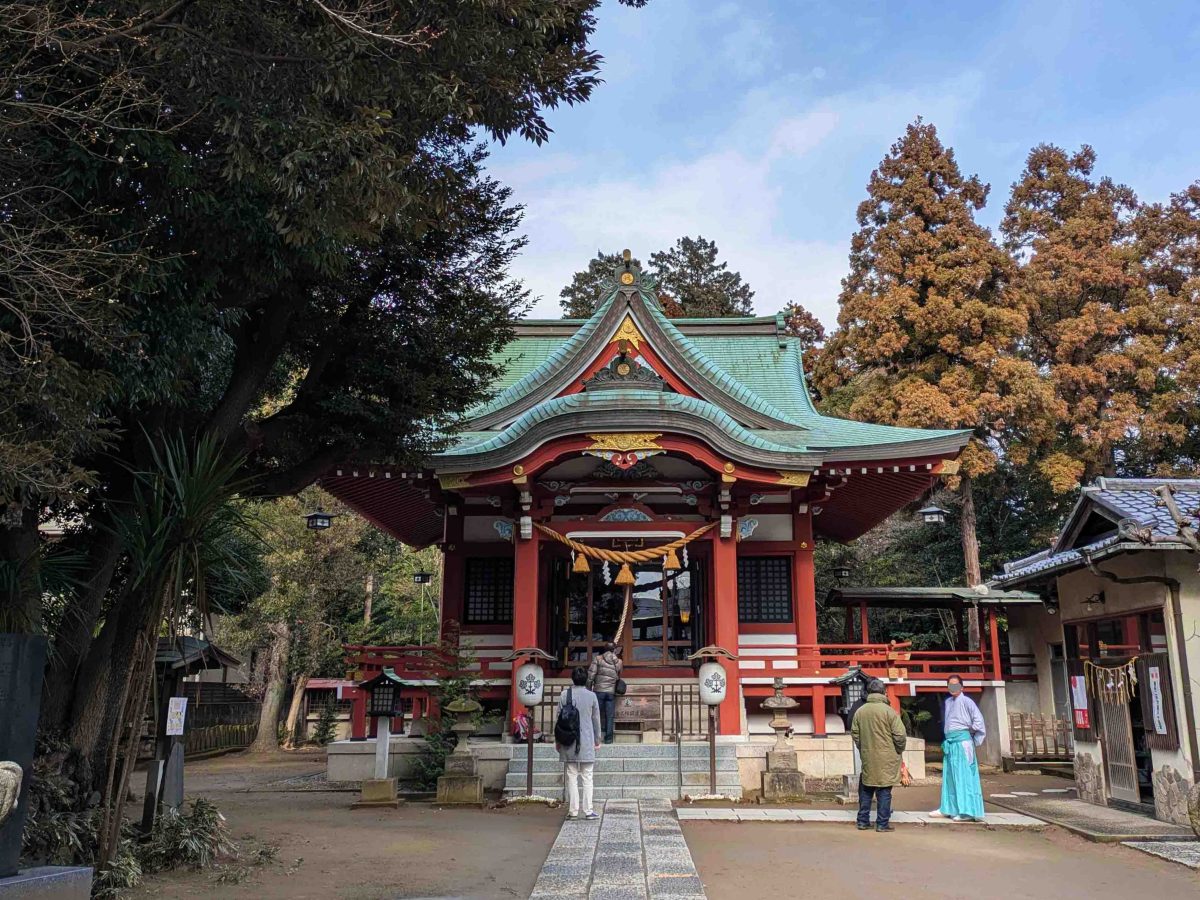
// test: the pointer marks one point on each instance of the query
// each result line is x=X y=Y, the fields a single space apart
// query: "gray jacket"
x=589 y=725
x=604 y=672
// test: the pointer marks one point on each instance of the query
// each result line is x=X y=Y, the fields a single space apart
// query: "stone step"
x=516 y=781
x=689 y=764
x=633 y=751
x=634 y=793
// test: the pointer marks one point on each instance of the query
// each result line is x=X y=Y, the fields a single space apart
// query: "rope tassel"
x=625 y=576
x=581 y=564
x=671 y=561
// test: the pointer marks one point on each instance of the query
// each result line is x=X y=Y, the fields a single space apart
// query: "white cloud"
x=761 y=189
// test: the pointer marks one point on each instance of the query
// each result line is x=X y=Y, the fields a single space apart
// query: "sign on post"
x=1079 y=701
x=176 y=714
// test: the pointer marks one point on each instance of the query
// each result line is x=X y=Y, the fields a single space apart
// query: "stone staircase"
x=631 y=771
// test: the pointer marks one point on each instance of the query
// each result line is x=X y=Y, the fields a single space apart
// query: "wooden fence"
x=1040 y=737
x=220 y=726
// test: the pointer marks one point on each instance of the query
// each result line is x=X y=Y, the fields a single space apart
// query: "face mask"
x=954 y=689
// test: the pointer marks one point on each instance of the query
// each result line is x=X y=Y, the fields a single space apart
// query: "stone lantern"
x=783 y=779
x=461 y=784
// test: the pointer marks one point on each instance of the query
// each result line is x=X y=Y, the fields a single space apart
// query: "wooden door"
x=1120 y=764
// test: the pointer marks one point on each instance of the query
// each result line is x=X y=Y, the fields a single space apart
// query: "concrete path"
x=1186 y=853
x=635 y=851
x=1096 y=823
x=828 y=816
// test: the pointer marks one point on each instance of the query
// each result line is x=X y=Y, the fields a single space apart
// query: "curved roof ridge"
x=519 y=388
x=705 y=366
x=619 y=399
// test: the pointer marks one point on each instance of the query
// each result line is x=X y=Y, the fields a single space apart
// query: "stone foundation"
x=823 y=761
x=1171 y=796
x=1089 y=779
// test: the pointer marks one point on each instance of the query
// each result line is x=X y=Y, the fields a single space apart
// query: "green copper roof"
x=750 y=375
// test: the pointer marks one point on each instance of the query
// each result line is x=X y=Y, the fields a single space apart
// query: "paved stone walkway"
x=710 y=814
x=634 y=851
x=1185 y=853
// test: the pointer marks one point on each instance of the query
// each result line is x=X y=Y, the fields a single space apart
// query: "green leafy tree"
x=588 y=286
x=293 y=247
x=691 y=274
x=927 y=335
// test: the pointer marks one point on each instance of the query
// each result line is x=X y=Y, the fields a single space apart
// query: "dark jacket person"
x=880 y=737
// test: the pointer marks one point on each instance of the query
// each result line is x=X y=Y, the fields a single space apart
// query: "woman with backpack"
x=577 y=738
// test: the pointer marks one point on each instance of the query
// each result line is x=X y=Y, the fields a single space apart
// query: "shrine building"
x=609 y=438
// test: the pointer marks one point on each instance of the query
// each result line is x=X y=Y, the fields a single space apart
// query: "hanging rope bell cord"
x=584 y=552
x=625 y=578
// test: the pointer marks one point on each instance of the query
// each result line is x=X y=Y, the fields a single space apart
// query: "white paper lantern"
x=531 y=683
x=713 y=683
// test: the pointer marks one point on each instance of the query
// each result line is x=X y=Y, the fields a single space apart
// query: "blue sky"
x=757 y=124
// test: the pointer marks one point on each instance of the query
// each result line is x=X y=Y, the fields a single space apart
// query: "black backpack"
x=566 y=728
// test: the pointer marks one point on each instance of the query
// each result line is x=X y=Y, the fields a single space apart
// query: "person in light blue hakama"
x=962 y=722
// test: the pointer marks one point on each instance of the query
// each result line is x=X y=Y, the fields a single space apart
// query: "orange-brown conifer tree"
x=927 y=336
x=1098 y=328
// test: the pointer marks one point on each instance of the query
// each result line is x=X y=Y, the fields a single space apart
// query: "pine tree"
x=588 y=286
x=1095 y=326
x=926 y=336
x=690 y=273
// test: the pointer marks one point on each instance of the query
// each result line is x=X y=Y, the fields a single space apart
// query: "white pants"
x=579 y=774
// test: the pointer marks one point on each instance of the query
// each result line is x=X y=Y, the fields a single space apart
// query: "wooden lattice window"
x=489 y=591
x=764 y=588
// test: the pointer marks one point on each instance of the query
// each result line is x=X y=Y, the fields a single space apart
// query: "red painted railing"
x=418 y=663
x=895 y=660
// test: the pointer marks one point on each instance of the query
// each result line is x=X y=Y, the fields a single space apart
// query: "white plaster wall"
x=1032 y=630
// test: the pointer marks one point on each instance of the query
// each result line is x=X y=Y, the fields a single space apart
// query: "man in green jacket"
x=880 y=738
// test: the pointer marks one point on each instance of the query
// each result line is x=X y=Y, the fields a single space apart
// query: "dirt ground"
x=737 y=861
x=322 y=848
x=300 y=840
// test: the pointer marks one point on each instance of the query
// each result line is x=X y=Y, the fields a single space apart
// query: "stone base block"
x=48 y=883
x=460 y=790
x=782 y=761
x=377 y=792
x=782 y=786
x=461 y=764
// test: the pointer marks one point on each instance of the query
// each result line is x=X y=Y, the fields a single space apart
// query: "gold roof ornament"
x=627 y=331
x=794 y=479
x=626 y=441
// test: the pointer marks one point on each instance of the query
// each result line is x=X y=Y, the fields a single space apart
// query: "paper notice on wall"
x=176 y=713
x=1079 y=702
x=1156 y=701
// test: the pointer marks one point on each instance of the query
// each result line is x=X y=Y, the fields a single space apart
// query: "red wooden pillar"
x=864 y=632
x=818 y=710
x=453 y=569
x=525 y=607
x=994 y=639
x=725 y=628
x=358 y=715
x=804 y=589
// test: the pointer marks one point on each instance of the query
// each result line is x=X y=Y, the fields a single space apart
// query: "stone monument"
x=462 y=783
x=783 y=780
x=22 y=666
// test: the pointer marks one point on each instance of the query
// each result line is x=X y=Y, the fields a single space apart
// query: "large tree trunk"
x=970 y=546
x=77 y=630
x=102 y=684
x=267 y=739
x=293 y=739
x=20 y=580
